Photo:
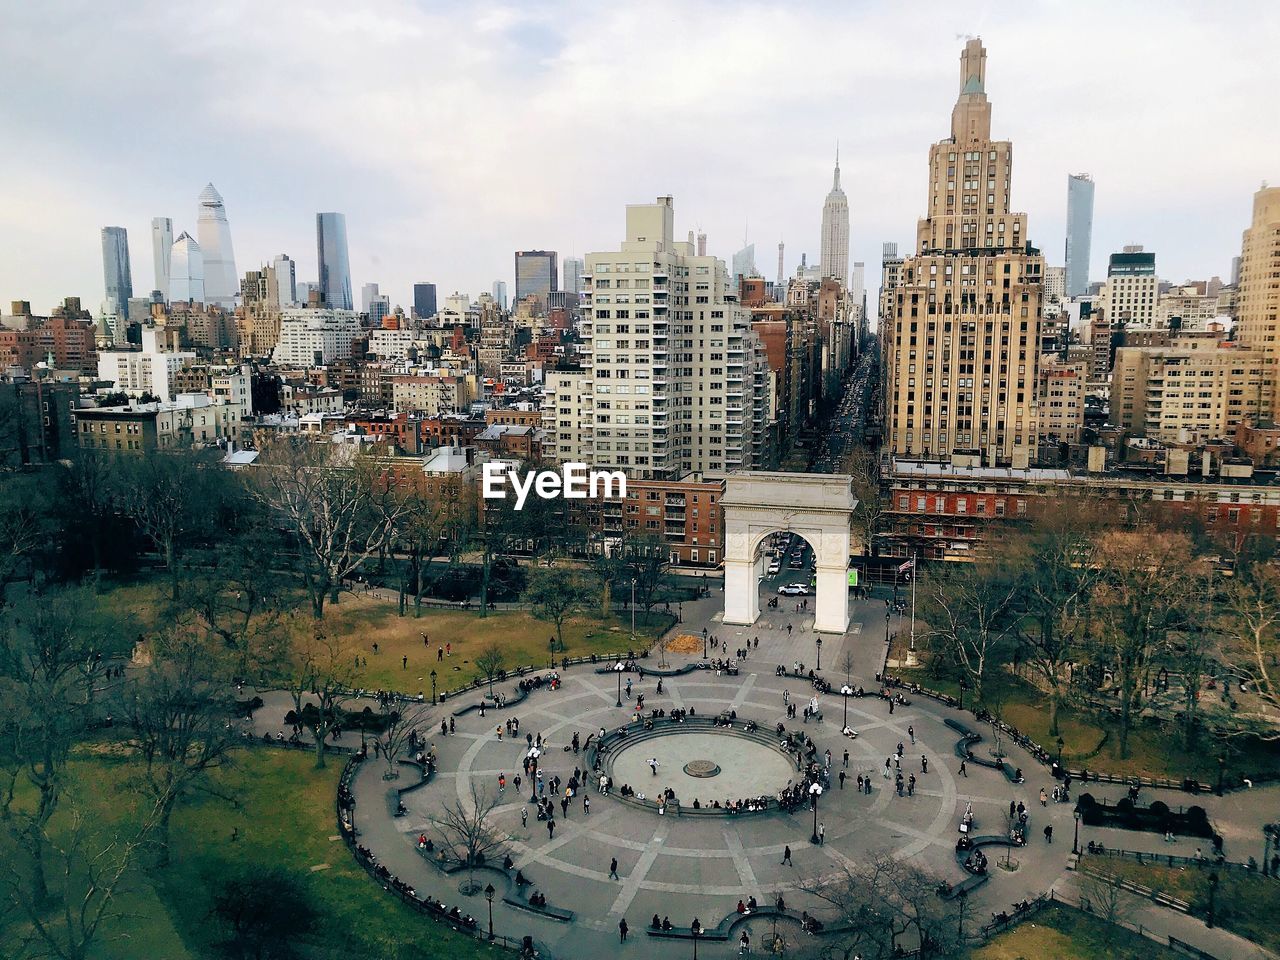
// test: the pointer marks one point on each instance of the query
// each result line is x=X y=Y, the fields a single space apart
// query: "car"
x=774 y=568
x=794 y=590
x=796 y=563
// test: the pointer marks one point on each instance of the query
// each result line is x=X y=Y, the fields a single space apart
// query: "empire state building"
x=963 y=341
x=834 y=252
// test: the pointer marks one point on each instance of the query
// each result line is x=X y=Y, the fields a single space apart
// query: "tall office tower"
x=782 y=277
x=835 y=231
x=1235 y=271
x=675 y=382
x=536 y=275
x=161 y=249
x=379 y=309
x=744 y=263
x=368 y=294
x=1131 y=289
x=573 y=275
x=285 y=273
x=965 y=313
x=500 y=291
x=702 y=244
x=1079 y=232
x=221 y=282
x=858 y=284
x=116 y=275
x=1258 y=299
x=331 y=255
x=186 y=271
x=424 y=300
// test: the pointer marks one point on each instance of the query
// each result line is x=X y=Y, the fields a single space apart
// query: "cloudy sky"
x=453 y=134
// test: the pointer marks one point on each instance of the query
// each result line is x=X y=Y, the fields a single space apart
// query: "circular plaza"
x=704 y=743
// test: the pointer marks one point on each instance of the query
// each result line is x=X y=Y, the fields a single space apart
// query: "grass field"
x=1061 y=933
x=282 y=814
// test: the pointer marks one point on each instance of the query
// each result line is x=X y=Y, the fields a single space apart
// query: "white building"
x=221 y=282
x=162 y=251
x=186 y=270
x=671 y=357
x=566 y=406
x=834 y=256
x=149 y=370
x=315 y=337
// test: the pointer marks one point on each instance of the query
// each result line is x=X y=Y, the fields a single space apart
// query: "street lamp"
x=633 y=613
x=695 y=928
x=963 y=686
x=1222 y=766
x=818 y=643
x=488 y=895
x=618 y=668
x=888 y=612
x=845 y=692
x=1213 y=895
x=679 y=611
x=815 y=791
x=1075 y=844
x=433 y=688
x=704 y=643
x=1061 y=744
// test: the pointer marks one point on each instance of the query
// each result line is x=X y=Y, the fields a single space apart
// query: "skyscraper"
x=116 y=275
x=1258 y=303
x=161 y=248
x=500 y=292
x=964 y=315
x=835 y=231
x=331 y=254
x=744 y=263
x=368 y=294
x=536 y=274
x=572 y=275
x=424 y=300
x=286 y=278
x=1079 y=232
x=221 y=282
x=186 y=270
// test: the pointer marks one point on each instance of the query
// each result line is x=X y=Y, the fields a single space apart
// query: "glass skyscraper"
x=1079 y=232
x=331 y=255
x=116 y=275
x=536 y=274
x=424 y=301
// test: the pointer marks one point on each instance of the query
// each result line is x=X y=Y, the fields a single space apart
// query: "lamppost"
x=704 y=643
x=815 y=791
x=1213 y=896
x=1061 y=743
x=888 y=612
x=679 y=611
x=1222 y=766
x=633 y=613
x=963 y=686
x=1075 y=844
x=845 y=692
x=488 y=895
x=618 y=668
x=695 y=928
x=818 y=643
x=433 y=688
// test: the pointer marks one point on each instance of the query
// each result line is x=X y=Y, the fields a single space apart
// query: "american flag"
x=909 y=565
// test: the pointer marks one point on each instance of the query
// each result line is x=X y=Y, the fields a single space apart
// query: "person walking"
x=822 y=834
x=846 y=759
x=842 y=776
x=911 y=732
x=963 y=771
x=1048 y=833
x=586 y=805
x=1044 y=799
x=924 y=763
x=613 y=869
x=524 y=817
x=786 y=857
x=622 y=930
x=859 y=783
x=551 y=829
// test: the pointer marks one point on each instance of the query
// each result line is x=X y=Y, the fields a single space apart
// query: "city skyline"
x=410 y=208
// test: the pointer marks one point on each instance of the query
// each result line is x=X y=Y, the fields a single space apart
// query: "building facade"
x=424 y=300
x=1258 y=298
x=116 y=274
x=161 y=250
x=315 y=336
x=536 y=276
x=221 y=281
x=1132 y=289
x=331 y=255
x=1079 y=233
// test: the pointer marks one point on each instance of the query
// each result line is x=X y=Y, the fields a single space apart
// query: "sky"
x=453 y=134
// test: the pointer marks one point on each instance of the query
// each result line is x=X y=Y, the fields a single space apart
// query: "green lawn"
x=1062 y=933
x=283 y=811
x=1245 y=904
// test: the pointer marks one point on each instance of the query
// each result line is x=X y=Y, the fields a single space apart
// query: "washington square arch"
x=817 y=507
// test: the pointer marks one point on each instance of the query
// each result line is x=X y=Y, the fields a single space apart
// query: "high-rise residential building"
x=1258 y=294
x=573 y=267
x=536 y=275
x=161 y=250
x=316 y=336
x=285 y=274
x=186 y=270
x=116 y=275
x=964 y=317
x=834 y=255
x=497 y=337
x=424 y=300
x=221 y=282
x=1132 y=288
x=1079 y=232
x=566 y=406
x=335 y=267
x=676 y=377
x=368 y=294
x=500 y=291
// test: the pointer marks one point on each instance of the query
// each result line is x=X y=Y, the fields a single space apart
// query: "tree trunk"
x=1126 y=707
x=1055 y=703
x=171 y=563
x=162 y=831
x=606 y=600
x=484 y=584
x=39 y=885
x=319 y=734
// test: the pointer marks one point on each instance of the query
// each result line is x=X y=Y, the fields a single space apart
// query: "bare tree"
x=26 y=524
x=490 y=662
x=467 y=829
x=554 y=594
x=338 y=504
x=1100 y=885
x=401 y=722
x=48 y=664
x=1249 y=619
x=89 y=491
x=864 y=469
x=319 y=669
x=433 y=520
x=178 y=725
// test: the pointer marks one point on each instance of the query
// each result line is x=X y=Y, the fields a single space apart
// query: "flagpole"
x=915 y=572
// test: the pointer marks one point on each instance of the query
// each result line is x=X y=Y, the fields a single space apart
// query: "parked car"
x=794 y=590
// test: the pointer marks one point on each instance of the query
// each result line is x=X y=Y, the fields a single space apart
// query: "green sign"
x=853 y=576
